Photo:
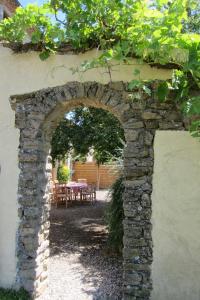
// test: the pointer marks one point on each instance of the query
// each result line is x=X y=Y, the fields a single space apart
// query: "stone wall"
x=37 y=115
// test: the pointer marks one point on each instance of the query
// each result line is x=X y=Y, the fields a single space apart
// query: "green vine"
x=163 y=32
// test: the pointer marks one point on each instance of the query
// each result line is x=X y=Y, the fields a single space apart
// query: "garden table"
x=77 y=188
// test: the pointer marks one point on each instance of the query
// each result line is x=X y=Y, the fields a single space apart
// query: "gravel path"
x=80 y=268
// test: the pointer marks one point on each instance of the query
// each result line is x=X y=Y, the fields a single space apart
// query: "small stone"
x=131 y=135
x=148 y=138
x=134 y=124
x=151 y=124
x=147 y=115
x=165 y=125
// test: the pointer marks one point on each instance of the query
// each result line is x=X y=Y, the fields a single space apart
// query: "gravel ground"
x=80 y=268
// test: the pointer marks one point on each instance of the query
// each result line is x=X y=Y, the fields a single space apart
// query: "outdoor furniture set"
x=66 y=193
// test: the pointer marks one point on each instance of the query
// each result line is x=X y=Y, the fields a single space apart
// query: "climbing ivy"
x=163 y=32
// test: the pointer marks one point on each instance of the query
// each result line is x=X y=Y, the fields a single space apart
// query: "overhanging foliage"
x=160 y=31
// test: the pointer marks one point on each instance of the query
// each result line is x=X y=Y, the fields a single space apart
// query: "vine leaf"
x=162 y=91
x=44 y=54
x=133 y=84
x=146 y=90
x=195 y=128
x=193 y=106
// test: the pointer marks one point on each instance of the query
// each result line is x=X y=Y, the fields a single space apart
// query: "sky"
x=25 y=2
x=39 y=2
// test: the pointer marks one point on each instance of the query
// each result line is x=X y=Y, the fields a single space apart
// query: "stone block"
x=131 y=135
x=165 y=125
x=133 y=278
x=151 y=124
x=148 y=115
x=133 y=124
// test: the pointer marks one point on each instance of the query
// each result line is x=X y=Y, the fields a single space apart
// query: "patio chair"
x=62 y=194
x=89 y=193
x=52 y=195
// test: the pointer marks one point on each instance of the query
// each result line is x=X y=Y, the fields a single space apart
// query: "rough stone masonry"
x=37 y=115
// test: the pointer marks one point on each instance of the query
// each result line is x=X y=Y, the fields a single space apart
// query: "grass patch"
x=8 y=294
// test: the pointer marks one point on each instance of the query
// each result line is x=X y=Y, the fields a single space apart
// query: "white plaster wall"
x=22 y=73
x=176 y=217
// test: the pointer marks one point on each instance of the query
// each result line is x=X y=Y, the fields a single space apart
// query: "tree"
x=87 y=128
x=193 y=22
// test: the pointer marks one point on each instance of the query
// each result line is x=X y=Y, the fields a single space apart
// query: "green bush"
x=115 y=216
x=63 y=173
x=8 y=294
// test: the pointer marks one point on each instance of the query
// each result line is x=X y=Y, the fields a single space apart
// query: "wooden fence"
x=108 y=173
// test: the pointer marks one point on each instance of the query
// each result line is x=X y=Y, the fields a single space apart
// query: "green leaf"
x=146 y=90
x=134 y=84
x=44 y=54
x=195 y=128
x=36 y=36
x=192 y=106
x=162 y=91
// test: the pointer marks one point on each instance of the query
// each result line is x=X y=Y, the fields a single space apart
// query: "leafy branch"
x=158 y=32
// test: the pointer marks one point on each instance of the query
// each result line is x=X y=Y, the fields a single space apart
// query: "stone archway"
x=37 y=114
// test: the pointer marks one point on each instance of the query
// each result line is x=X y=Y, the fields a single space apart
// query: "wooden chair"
x=62 y=194
x=52 y=195
x=89 y=193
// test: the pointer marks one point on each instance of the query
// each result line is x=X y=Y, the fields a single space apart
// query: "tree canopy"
x=164 y=32
x=87 y=128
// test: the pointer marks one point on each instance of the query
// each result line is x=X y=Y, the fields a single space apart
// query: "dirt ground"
x=80 y=268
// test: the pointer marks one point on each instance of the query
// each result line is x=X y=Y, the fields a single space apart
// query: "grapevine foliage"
x=160 y=31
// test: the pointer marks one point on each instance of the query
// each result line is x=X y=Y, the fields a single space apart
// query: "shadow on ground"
x=80 y=230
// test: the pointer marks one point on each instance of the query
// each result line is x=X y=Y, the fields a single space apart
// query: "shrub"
x=63 y=173
x=115 y=216
x=8 y=294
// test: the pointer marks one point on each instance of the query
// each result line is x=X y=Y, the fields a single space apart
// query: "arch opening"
x=84 y=217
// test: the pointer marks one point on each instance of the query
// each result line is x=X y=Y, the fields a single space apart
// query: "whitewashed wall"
x=176 y=217
x=176 y=180
x=23 y=73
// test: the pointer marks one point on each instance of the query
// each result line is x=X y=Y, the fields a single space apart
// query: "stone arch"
x=37 y=114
